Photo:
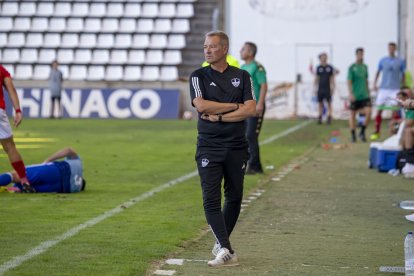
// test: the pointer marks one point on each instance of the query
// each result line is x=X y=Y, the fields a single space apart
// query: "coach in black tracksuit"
x=224 y=98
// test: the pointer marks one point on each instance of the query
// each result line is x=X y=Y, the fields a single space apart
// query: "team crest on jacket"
x=235 y=82
x=204 y=162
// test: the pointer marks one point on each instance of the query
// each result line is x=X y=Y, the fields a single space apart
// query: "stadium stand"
x=94 y=40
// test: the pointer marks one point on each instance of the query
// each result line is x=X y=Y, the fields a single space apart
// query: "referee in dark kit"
x=224 y=97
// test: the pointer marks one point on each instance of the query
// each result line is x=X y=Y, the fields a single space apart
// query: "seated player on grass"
x=52 y=176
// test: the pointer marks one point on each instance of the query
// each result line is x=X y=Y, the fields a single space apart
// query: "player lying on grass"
x=65 y=176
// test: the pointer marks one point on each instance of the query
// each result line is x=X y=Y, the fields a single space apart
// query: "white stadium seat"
x=51 y=40
x=127 y=25
x=149 y=10
x=87 y=40
x=140 y=41
x=145 y=25
x=132 y=10
x=158 y=41
x=10 y=55
x=77 y=72
x=95 y=73
x=16 y=40
x=80 y=9
x=28 y=55
x=100 y=57
x=97 y=9
x=118 y=57
x=162 y=26
x=57 y=24
x=27 y=9
x=172 y=57
x=185 y=10
x=41 y=72
x=115 y=10
x=6 y=24
x=110 y=25
x=176 y=41
x=47 y=55
x=136 y=57
x=105 y=41
x=3 y=40
x=74 y=24
x=39 y=24
x=10 y=68
x=10 y=8
x=65 y=56
x=34 y=40
x=22 y=24
x=92 y=25
x=180 y=25
x=150 y=73
x=132 y=73
x=153 y=57
x=169 y=73
x=166 y=10
x=65 y=71
x=69 y=41
x=45 y=9
x=63 y=9
x=113 y=73
x=123 y=41
x=83 y=56
x=23 y=72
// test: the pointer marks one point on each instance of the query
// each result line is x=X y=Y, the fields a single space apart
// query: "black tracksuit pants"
x=214 y=165
x=253 y=127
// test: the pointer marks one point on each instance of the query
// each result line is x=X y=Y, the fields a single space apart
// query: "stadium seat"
x=3 y=40
x=77 y=72
x=65 y=71
x=21 y=24
x=172 y=57
x=83 y=56
x=27 y=9
x=168 y=73
x=149 y=10
x=23 y=72
x=105 y=41
x=47 y=55
x=113 y=73
x=115 y=10
x=65 y=56
x=34 y=40
x=132 y=73
x=140 y=41
x=153 y=57
x=10 y=55
x=100 y=56
x=10 y=68
x=158 y=41
x=176 y=41
x=39 y=24
x=92 y=25
x=136 y=57
x=41 y=72
x=162 y=25
x=87 y=40
x=74 y=24
x=150 y=73
x=118 y=57
x=9 y=9
x=69 y=41
x=185 y=10
x=80 y=9
x=63 y=9
x=6 y=24
x=127 y=25
x=16 y=40
x=166 y=10
x=57 y=24
x=123 y=41
x=28 y=55
x=97 y=9
x=95 y=73
x=132 y=10
x=109 y=25
x=45 y=9
x=145 y=25
x=180 y=25
x=51 y=40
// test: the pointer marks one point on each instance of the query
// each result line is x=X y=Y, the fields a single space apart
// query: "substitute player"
x=359 y=94
x=393 y=77
x=6 y=135
x=65 y=176
x=254 y=124
x=224 y=97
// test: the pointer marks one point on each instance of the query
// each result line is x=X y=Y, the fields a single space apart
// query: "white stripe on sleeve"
x=196 y=87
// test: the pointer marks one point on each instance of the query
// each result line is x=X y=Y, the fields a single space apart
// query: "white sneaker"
x=216 y=248
x=408 y=169
x=224 y=258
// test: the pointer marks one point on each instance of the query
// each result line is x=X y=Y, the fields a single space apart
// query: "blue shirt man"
x=392 y=69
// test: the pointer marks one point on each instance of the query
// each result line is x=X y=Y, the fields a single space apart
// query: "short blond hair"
x=224 y=38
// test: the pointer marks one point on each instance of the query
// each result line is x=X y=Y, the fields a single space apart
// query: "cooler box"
x=387 y=157
x=373 y=154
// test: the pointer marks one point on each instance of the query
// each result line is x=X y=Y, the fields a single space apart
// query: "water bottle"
x=409 y=254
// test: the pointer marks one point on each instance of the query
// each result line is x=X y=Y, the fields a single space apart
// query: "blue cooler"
x=373 y=153
x=387 y=157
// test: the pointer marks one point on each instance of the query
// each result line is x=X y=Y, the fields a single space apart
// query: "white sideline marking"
x=44 y=246
x=175 y=261
x=392 y=269
x=164 y=272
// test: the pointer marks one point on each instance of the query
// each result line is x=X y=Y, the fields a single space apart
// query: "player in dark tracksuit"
x=224 y=98
x=325 y=82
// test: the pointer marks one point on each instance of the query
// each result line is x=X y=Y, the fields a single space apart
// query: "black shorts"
x=324 y=95
x=359 y=104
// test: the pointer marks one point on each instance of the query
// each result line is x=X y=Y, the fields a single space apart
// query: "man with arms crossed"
x=224 y=97
x=359 y=94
